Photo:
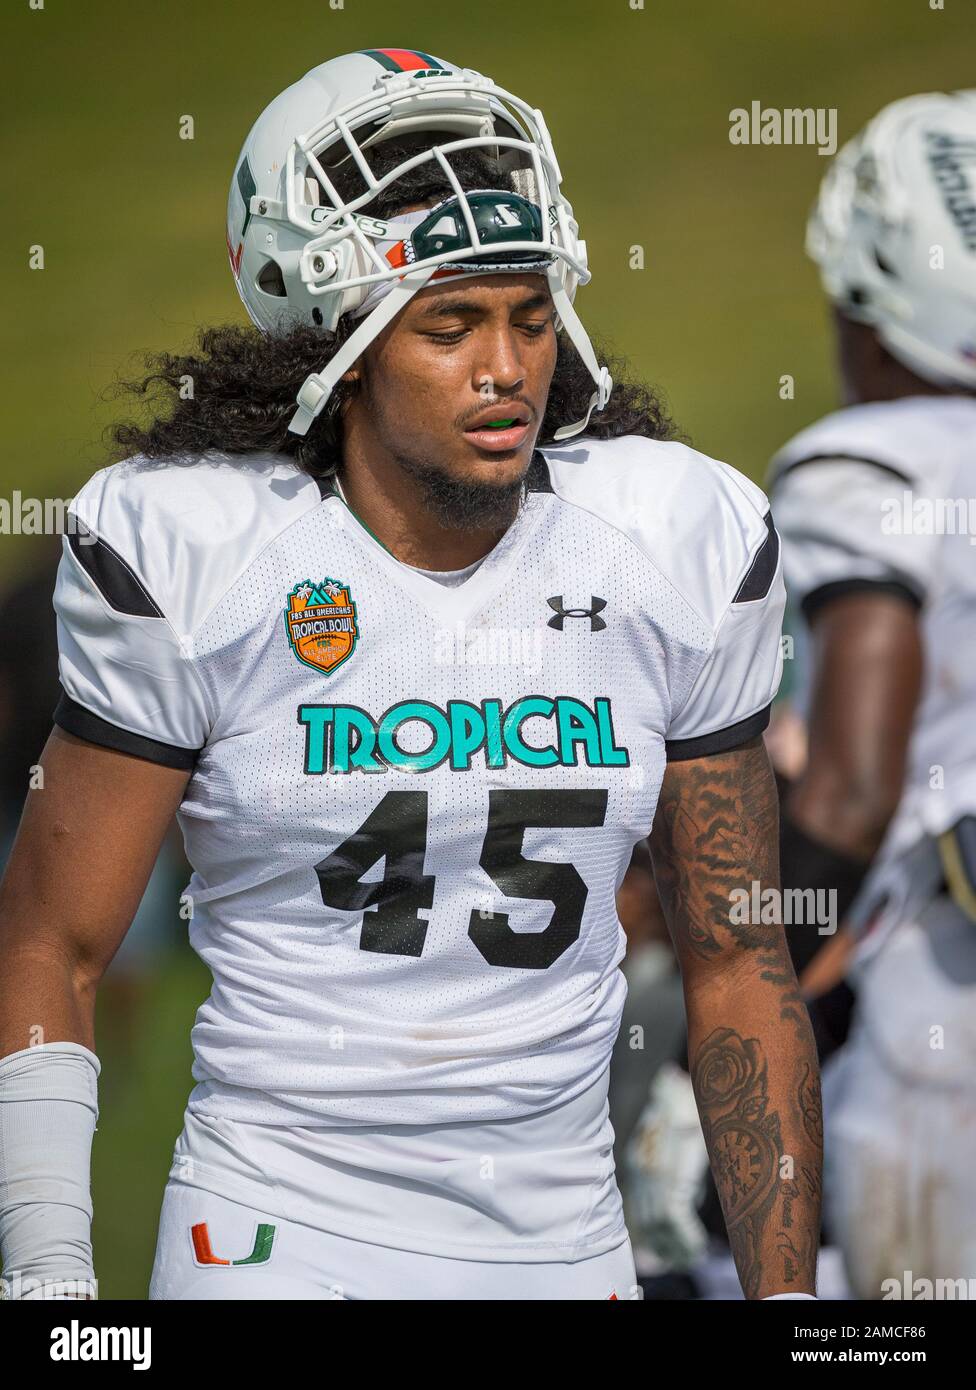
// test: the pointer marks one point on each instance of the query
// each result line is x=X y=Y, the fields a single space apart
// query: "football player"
x=415 y=656
x=876 y=506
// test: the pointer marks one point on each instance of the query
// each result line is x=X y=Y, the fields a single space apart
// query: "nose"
x=500 y=367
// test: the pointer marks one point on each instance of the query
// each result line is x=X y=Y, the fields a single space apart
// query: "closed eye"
x=534 y=330
x=454 y=337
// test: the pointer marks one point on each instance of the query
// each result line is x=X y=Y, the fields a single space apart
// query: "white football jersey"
x=411 y=804
x=882 y=496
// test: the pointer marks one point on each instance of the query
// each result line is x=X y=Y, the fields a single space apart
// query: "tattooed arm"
x=751 y=1051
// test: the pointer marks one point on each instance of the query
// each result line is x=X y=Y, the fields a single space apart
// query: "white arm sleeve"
x=48 y=1110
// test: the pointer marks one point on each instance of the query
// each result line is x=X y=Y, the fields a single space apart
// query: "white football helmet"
x=301 y=250
x=894 y=233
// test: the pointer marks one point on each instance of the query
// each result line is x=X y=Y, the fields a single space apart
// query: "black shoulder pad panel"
x=111 y=576
x=760 y=574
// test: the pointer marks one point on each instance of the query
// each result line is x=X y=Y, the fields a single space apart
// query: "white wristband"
x=48 y=1110
x=770 y=1296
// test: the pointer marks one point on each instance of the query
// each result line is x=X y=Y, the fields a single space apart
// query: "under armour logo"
x=596 y=606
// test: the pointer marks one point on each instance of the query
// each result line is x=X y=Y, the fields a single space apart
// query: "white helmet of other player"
x=894 y=233
x=303 y=252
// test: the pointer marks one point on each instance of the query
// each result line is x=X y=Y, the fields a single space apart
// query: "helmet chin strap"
x=581 y=341
x=318 y=387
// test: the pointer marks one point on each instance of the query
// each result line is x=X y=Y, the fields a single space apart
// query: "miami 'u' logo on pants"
x=204 y=1255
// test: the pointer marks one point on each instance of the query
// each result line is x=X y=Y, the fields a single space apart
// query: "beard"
x=462 y=505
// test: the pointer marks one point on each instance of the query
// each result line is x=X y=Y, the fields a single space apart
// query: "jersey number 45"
x=397 y=830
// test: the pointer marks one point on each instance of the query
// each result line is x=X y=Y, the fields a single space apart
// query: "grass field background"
x=131 y=220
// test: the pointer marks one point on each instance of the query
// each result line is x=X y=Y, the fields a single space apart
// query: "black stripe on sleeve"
x=842 y=458
x=721 y=741
x=112 y=577
x=763 y=568
x=76 y=719
x=817 y=599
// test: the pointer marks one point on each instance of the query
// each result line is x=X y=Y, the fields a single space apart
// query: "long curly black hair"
x=244 y=382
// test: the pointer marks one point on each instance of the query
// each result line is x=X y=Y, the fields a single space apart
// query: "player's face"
x=458 y=383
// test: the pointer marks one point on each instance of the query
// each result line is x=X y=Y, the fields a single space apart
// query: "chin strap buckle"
x=597 y=401
x=311 y=399
x=604 y=387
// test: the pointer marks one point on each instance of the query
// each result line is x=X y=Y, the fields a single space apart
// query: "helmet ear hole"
x=271 y=281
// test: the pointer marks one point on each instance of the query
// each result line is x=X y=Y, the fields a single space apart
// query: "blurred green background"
x=131 y=218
